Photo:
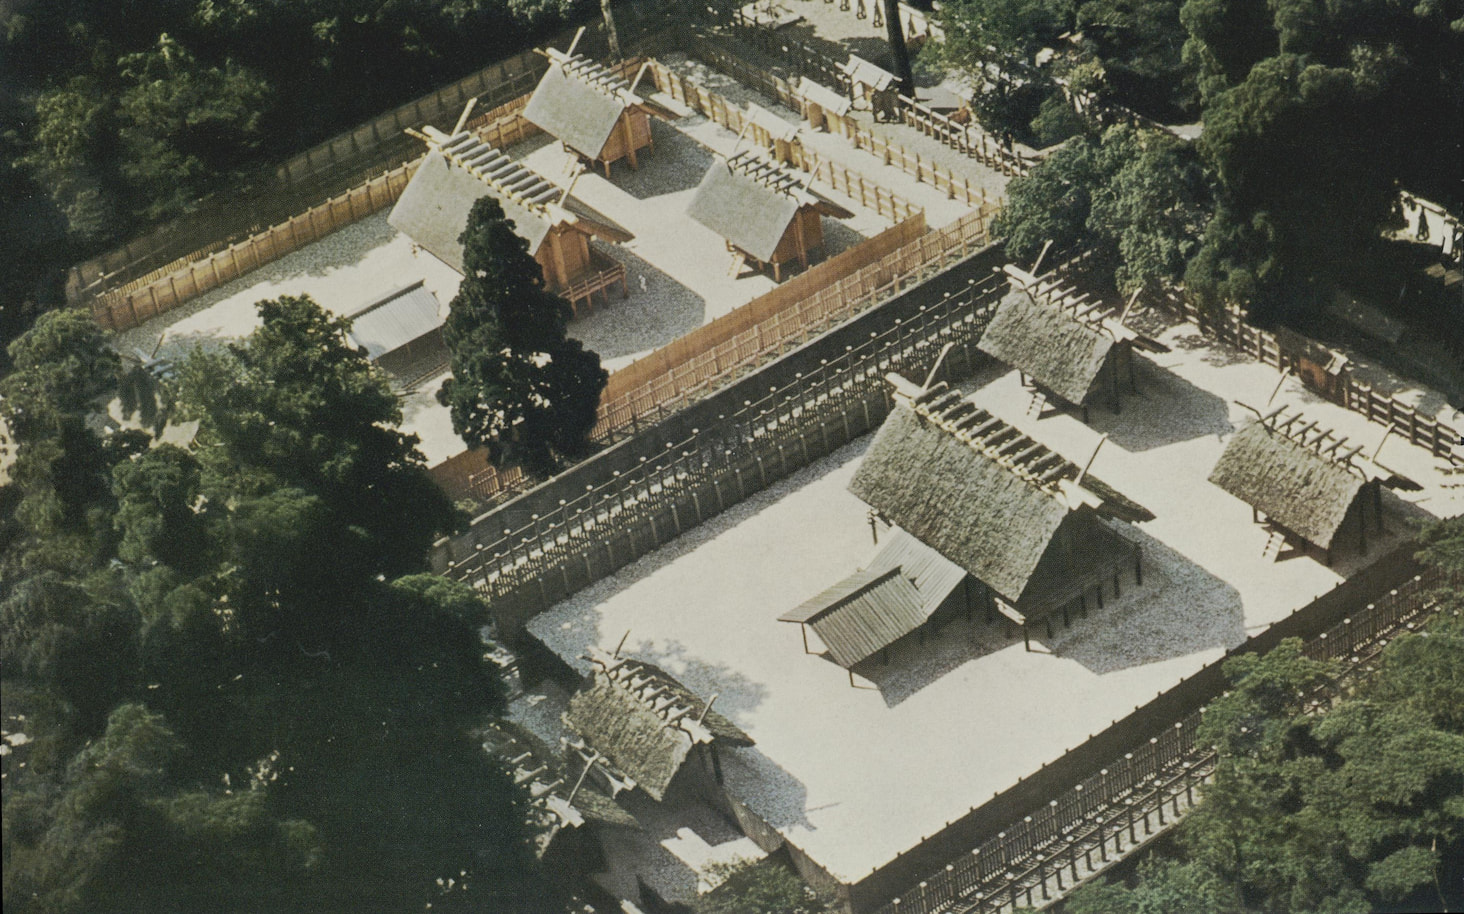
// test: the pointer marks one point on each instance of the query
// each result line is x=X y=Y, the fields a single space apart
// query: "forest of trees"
x=1352 y=807
x=1314 y=116
x=242 y=690
x=116 y=114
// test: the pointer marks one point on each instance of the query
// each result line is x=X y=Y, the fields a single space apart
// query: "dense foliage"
x=1139 y=194
x=113 y=114
x=241 y=692
x=1313 y=118
x=519 y=386
x=1355 y=807
x=769 y=886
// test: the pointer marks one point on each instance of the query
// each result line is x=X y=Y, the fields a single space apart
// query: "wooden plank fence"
x=120 y=311
x=1136 y=796
x=1308 y=359
x=838 y=176
x=714 y=356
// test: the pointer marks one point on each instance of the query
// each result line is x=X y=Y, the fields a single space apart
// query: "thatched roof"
x=1293 y=485
x=978 y=491
x=751 y=201
x=433 y=210
x=644 y=721
x=1057 y=350
x=551 y=785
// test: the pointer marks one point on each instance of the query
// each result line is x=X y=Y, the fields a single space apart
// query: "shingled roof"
x=578 y=113
x=751 y=201
x=1300 y=489
x=459 y=169
x=975 y=489
x=644 y=721
x=1057 y=350
x=903 y=586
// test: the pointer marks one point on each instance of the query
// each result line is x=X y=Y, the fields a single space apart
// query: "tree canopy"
x=520 y=387
x=242 y=691
x=1354 y=807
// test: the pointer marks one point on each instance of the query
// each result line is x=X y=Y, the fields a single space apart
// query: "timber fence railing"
x=640 y=494
x=1321 y=369
x=716 y=355
x=972 y=142
x=1115 y=809
x=135 y=303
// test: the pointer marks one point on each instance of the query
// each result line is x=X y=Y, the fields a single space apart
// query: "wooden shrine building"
x=565 y=807
x=401 y=331
x=1305 y=481
x=459 y=169
x=766 y=213
x=824 y=108
x=906 y=587
x=649 y=730
x=1027 y=525
x=591 y=110
x=1069 y=348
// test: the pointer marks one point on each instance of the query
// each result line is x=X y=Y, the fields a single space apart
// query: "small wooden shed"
x=1305 y=481
x=650 y=729
x=875 y=85
x=592 y=111
x=564 y=807
x=459 y=169
x=1027 y=524
x=824 y=108
x=1074 y=352
x=401 y=331
x=766 y=213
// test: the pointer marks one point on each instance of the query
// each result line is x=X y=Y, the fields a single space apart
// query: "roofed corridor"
x=853 y=776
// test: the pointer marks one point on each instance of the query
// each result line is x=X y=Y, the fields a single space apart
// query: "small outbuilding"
x=401 y=331
x=824 y=108
x=1069 y=349
x=1029 y=526
x=649 y=729
x=564 y=809
x=1305 y=482
x=459 y=169
x=594 y=112
x=766 y=213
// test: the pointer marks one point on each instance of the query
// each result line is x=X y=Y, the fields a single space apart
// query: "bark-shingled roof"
x=1057 y=350
x=1301 y=490
x=578 y=114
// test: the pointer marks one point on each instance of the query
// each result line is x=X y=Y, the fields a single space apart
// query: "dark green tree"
x=766 y=887
x=520 y=387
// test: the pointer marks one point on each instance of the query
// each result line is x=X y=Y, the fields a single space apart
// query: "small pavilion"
x=593 y=111
x=1306 y=481
x=649 y=730
x=401 y=331
x=766 y=213
x=824 y=108
x=1033 y=531
x=459 y=169
x=1070 y=348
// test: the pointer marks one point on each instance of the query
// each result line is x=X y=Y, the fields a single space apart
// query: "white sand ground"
x=677 y=270
x=852 y=776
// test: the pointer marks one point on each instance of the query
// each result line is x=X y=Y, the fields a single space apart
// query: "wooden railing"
x=1141 y=793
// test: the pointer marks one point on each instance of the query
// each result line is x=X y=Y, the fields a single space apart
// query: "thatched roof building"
x=459 y=169
x=1059 y=352
x=591 y=110
x=1304 y=479
x=766 y=213
x=645 y=723
x=1019 y=518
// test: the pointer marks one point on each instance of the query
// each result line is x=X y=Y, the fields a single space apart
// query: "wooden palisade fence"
x=719 y=353
x=1136 y=796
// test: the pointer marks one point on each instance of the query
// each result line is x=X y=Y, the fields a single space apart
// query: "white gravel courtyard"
x=852 y=776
